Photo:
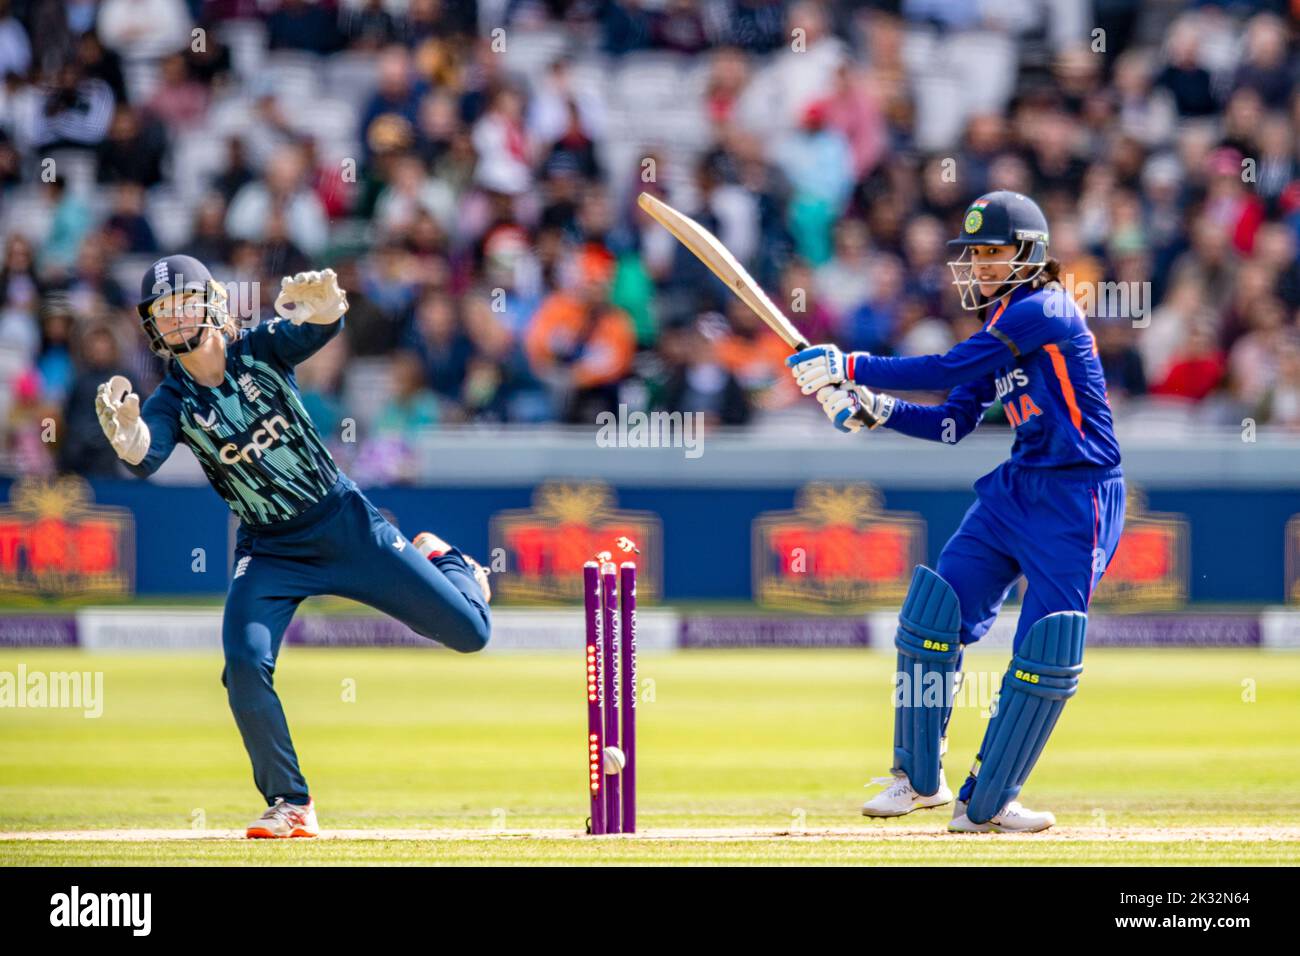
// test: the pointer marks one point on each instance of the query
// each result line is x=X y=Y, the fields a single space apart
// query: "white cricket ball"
x=614 y=760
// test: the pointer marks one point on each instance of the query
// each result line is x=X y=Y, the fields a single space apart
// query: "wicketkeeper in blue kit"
x=305 y=528
x=1052 y=512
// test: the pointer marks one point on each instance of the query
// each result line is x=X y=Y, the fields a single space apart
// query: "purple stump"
x=627 y=639
x=609 y=670
x=595 y=696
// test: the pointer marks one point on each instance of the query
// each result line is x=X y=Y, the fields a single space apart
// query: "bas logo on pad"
x=546 y=545
x=55 y=542
x=836 y=551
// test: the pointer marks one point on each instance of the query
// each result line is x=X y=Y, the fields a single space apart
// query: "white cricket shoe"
x=900 y=797
x=481 y=576
x=432 y=546
x=1013 y=819
x=283 y=820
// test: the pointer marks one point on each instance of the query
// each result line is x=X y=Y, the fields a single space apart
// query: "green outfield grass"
x=768 y=740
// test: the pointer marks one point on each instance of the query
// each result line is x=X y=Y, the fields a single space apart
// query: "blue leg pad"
x=929 y=652
x=1043 y=675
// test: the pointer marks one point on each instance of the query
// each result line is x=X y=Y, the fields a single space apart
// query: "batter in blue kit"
x=1052 y=513
x=305 y=528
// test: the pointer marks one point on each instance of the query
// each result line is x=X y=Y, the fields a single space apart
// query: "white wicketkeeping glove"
x=842 y=405
x=311 y=297
x=118 y=409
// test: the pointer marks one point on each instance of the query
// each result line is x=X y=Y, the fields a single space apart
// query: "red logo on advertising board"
x=837 y=550
x=1150 y=568
x=54 y=542
x=570 y=522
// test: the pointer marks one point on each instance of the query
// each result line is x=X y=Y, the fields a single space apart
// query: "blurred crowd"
x=471 y=170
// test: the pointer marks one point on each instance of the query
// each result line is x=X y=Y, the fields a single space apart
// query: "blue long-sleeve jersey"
x=251 y=434
x=1036 y=354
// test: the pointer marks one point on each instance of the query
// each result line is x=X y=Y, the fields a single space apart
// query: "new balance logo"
x=271 y=431
x=250 y=389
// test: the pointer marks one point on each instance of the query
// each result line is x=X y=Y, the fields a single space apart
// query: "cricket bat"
x=723 y=264
x=706 y=247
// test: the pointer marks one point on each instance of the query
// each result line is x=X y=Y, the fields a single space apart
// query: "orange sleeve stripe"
x=997 y=314
x=1067 y=390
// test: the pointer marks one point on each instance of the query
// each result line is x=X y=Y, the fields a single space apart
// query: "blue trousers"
x=1057 y=527
x=341 y=545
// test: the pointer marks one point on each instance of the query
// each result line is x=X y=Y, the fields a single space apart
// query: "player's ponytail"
x=1049 y=275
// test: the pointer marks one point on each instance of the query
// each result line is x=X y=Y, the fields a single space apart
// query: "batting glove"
x=118 y=410
x=816 y=367
x=311 y=297
x=851 y=408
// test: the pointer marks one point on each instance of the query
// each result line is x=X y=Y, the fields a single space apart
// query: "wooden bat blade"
x=708 y=249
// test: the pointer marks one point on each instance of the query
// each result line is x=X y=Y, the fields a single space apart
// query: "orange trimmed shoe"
x=282 y=820
x=432 y=546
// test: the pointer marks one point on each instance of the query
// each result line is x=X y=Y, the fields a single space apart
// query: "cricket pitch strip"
x=1084 y=834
